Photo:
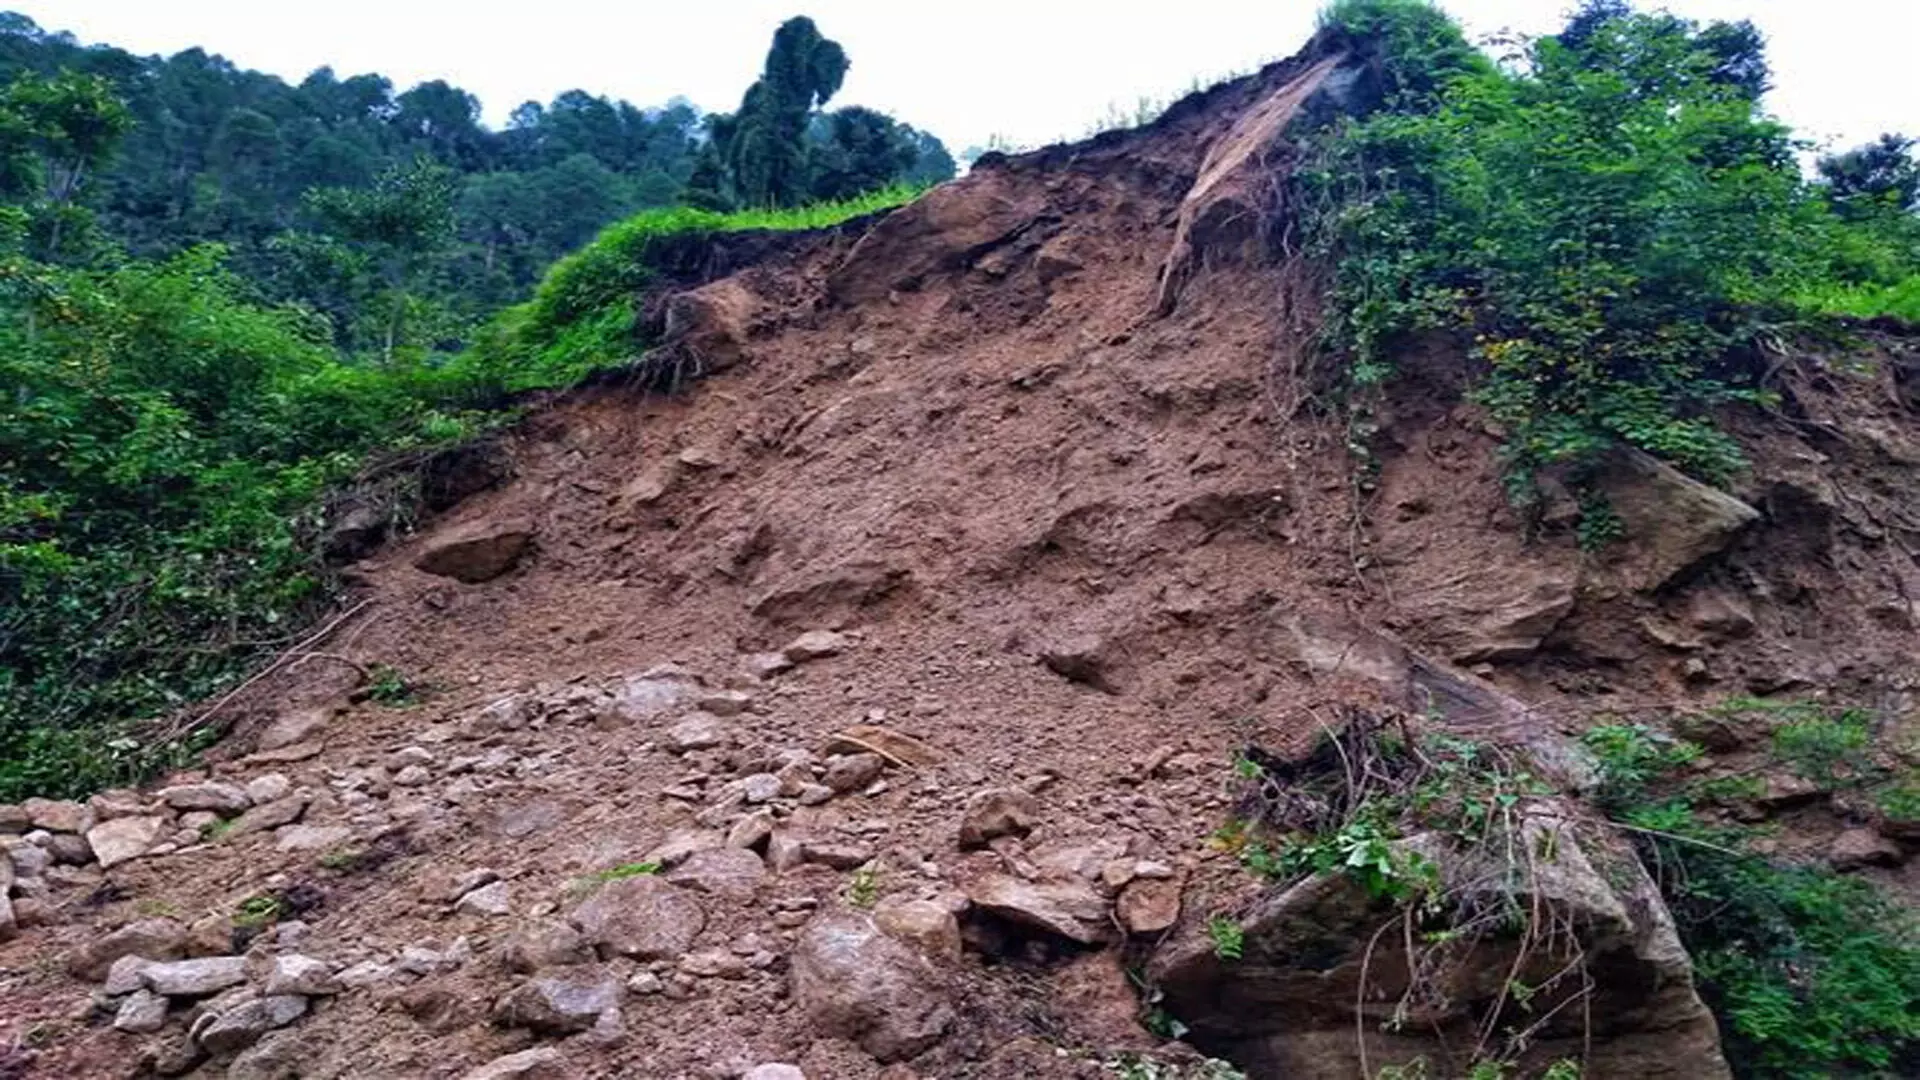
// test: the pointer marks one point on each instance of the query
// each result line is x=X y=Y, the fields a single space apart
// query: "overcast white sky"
x=1031 y=71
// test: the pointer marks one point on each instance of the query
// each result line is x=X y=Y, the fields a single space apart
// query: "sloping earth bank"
x=1021 y=446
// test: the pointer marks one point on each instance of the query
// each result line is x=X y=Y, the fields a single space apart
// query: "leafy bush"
x=1609 y=220
x=581 y=317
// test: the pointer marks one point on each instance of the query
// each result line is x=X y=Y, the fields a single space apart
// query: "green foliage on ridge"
x=1608 y=218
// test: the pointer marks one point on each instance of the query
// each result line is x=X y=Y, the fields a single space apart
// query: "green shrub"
x=1612 y=223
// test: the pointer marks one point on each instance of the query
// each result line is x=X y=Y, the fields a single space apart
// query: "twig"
x=1664 y=835
x=296 y=650
x=357 y=666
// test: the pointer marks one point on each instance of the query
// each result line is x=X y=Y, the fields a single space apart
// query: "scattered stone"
x=241 y=1027
x=116 y=841
x=118 y=803
x=155 y=939
x=539 y=1063
x=469 y=880
x=544 y=944
x=14 y=819
x=654 y=693
x=1080 y=659
x=477 y=552
x=268 y=788
x=902 y=750
x=774 y=1071
x=851 y=772
x=266 y=816
x=412 y=776
x=642 y=917
x=731 y=872
x=286 y=755
x=714 y=963
x=559 y=1005
x=681 y=843
x=9 y=919
x=304 y=975
x=292 y=728
x=195 y=978
x=723 y=702
x=700 y=731
x=997 y=812
x=752 y=831
x=69 y=849
x=312 y=837
x=765 y=665
x=853 y=982
x=29 y=860
x=1856 y=848
x=124 y=976
x=1071 y=909
x=142 y=1013
x=494 y=899
x=814 y=794
x=839 y=854
x=759 y=788
x=58 y=815
x=1148 y=905
x=924 y=924
x=816 y=645
x=211 y=795
x=785 y=851
x=645 y=982
x=425 y=958
x=410 y=755
x=365 y=973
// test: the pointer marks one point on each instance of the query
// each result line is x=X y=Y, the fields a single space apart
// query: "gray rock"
x=304 y=975
x=731 y=872
x=124 y=976
x=58 y=815
x=156 y=939
x=194 y=978
x=924 y=924
x=997 y=812
x=268 y=816
x=494 y=899
x=839 y=854
x=29 y=860
x=477 y=552
x=681 y=843
x=544 y=944
x=642 y=917
x=653 y=694
x=9 y=919
x=268 y=788
x=559 y=1005
x=774 y=1071
x=752 y=831
x=14 y=819
x=143 y=1012
x=853 y=772
x=366 y=973
x=242 y=1026
x=210 y=795
x=765 y=665
x=723 y=702
x=539 y=1063
x=759 y=788
x=312 y=837
x=292 y=728
x=814 y=794
x=1672 y=521
x=853 y=982
x=70 y=849
x=1856 y=848
x=117 y=841
x=815 y=645
x=700 y=731
x=1071 y=909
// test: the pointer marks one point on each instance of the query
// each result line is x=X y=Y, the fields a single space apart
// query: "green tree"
x=764 y=144
x=405 y=217
x=64 y=128
x=1876 y=178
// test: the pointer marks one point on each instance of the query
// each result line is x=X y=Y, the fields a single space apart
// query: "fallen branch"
x=296 y=651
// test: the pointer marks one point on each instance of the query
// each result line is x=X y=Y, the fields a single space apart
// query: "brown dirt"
x=971 y=442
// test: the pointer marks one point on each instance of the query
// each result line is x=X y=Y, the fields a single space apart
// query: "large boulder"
x=1324 y=963
x=854 y=982
x=1672 y=522
x=476 y=552
x=642 y=917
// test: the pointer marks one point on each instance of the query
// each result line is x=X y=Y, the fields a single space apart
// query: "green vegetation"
x=1229 y=941
x=863 y=887
x=1812 y=973
x=582 y=316
x=1607 y=218
x=189 y=377
x=624 y=871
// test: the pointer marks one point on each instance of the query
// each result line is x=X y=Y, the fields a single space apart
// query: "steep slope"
x=983 y=541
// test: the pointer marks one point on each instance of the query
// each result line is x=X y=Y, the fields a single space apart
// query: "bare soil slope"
x=1027 y=443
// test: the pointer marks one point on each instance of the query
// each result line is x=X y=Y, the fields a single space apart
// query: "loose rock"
x=1071 y=909
x=852 y=772
x=195 y=978
x=854 y=982
x=731 y=872
x=477 y=552
x=559 y=1005
x=141 y=1013
x=816 y=645
x=121 y=839
x=241 y=1027
x=212 y=795
x=997 y=812
x=642 y=917
x=539 y=1063
x=304 y=975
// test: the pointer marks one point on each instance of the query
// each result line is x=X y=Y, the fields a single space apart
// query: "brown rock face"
x=642 y=917
x=1071 y=909
x=1673 y=522
x=478 y=552
x=997 y=812
x=856 y=983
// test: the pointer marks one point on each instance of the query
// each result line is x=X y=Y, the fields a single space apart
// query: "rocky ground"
x=864 y=708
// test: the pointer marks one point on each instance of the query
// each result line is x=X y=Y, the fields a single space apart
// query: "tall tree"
x=765 y=143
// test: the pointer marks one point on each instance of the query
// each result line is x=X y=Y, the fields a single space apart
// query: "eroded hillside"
x=868 y=701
